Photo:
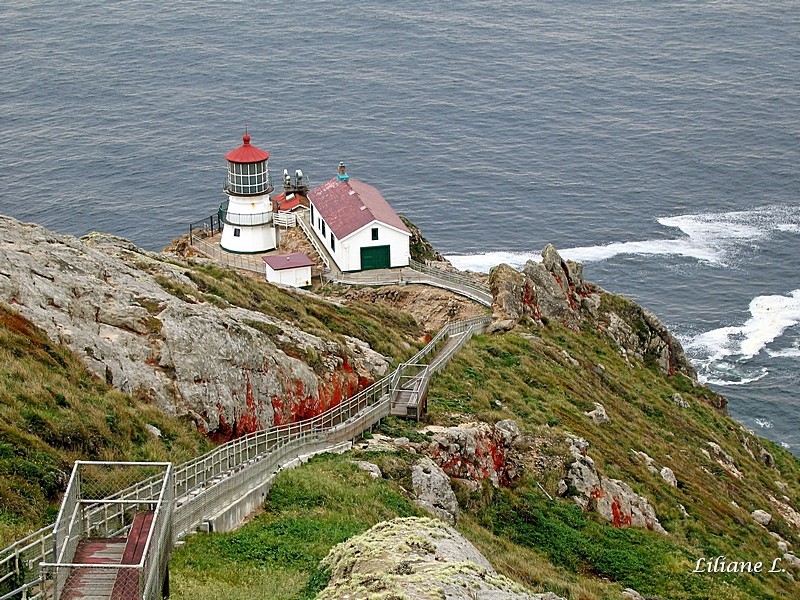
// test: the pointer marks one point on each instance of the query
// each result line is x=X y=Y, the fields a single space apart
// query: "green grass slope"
x=531 y=375
x=53 y=411
x=276 y=554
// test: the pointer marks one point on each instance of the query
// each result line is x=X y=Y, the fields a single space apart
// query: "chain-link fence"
x=113 y=533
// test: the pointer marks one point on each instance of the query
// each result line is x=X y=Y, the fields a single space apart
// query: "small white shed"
x=289 y=269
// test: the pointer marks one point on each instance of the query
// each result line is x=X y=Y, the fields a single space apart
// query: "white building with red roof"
x=289 y=269
x=357 y=226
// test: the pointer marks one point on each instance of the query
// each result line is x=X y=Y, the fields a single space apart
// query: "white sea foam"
x=770 y=317
x=785 y=353
x=764 y=423
x=733 y=377
x=708 y=237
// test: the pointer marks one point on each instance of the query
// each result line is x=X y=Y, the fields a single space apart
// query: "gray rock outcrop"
x=612 y=499
x=416 y=559
x=553 y=289
x=556 y=290
x=789 y=514
x=724 y=459
x=432 y=490
x=599 y=415
x=107 y=300
x=677 y=398
x=668 y=476
x=371 y=468
x=478 y=451
x=761 y=517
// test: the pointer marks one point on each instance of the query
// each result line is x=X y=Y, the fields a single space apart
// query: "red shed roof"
x=280 y=262
x=289 y=205
x=247 y=153
x=347 y=206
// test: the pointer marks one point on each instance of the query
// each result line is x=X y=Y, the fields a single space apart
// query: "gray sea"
x=657 y=142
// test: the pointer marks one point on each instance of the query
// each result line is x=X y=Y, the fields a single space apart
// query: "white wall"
x=298 y=277
x=251 y=239
x=348 y=255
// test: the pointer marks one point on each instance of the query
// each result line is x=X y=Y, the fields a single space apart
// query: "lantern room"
x=248 y=170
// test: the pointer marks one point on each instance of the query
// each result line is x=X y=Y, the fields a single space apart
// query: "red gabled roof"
x=279 y=262
x=347 y=206
x=247 y=153
x=295 y=200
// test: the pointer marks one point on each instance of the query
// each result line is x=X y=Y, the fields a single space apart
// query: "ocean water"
x=658 y=143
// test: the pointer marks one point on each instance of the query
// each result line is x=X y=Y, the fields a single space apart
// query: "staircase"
x=87 y=546
x=94 y=583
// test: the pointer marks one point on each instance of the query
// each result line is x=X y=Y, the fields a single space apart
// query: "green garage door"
x=375 y=257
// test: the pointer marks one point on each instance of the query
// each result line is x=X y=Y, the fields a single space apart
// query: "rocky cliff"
x=555 y=289
x=145 y=323
x=573 y=447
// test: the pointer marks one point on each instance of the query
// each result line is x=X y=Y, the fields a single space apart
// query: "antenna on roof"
x=342 y=174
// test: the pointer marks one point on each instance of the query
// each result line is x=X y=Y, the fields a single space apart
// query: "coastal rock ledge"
x=555 y=290
x=416 y=559
x=107 y=300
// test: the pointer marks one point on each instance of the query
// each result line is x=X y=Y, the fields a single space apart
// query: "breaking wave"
x=721 y=354
x=708 y=237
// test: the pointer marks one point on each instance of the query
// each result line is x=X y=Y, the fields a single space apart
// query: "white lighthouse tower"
x=247 y=213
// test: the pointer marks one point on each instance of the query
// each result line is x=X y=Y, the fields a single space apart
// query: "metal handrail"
x=447 y=275
x=74 y=523
x=264 y=451
x=243 y=219
x=306 y=227
x=416 y=272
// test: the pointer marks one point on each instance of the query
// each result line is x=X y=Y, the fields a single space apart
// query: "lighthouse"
x=247 y=213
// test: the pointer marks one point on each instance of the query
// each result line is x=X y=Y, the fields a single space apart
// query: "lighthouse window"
x=248 y=178
x=237 y=232
x=374 y=233
x=333 y=243
x=323 y=229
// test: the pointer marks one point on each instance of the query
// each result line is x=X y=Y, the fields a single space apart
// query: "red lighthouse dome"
x=247 y=153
